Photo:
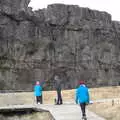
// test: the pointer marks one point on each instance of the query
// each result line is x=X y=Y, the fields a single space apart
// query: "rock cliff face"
x=65 y=40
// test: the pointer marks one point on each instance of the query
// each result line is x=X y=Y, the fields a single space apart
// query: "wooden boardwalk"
x=59 y=112
x=68 y=112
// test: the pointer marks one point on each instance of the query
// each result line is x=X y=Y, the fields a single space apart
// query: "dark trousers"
x=59 y=97
x=39 y=99
x=83 y=106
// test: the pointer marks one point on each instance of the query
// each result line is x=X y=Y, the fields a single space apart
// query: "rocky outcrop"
x=65 y=40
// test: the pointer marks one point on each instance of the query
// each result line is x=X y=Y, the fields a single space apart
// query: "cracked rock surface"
x=66 y=40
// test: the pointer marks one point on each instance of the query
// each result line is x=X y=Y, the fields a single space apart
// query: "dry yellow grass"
x=106 y=110
x=105 y=92
x=95 y=94
x=28 y=97
x=49 y=96
x=103 y=109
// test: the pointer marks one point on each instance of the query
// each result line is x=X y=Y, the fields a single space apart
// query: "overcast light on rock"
x=110 y=6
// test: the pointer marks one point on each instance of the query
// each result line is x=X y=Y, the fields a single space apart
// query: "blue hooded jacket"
x=37 y=90
x=82 y=94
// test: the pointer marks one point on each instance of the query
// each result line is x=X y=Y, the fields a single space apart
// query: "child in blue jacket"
x=38 y=92
x=82 y=97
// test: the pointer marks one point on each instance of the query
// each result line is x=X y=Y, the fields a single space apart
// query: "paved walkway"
x=68 y=112
x=60 y=112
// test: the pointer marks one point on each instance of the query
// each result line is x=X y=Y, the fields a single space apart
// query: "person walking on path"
x=38 y=92
x=58 y=90
x=82 y=98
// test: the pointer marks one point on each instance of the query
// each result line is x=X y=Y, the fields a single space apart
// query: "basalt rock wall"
x=65 y=40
